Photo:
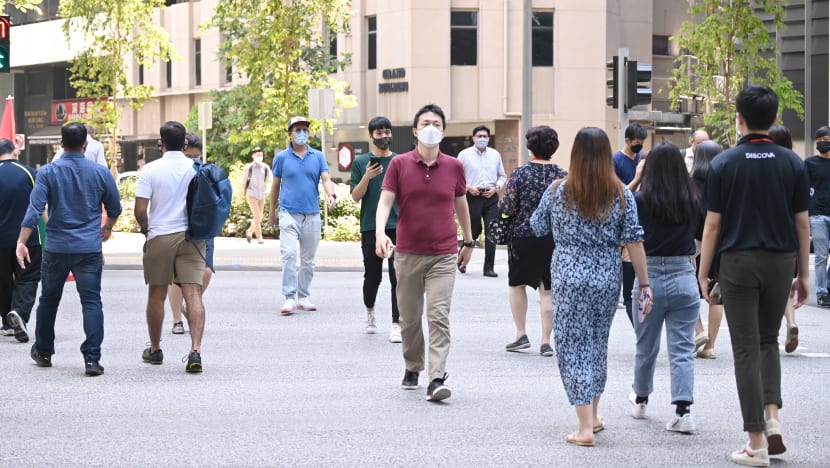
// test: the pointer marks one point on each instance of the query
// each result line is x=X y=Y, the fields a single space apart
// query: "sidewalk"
x=124 y=250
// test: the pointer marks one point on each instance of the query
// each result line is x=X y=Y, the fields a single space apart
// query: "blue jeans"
x=820 y=231
x=87 y=271
x=677 y=303
x=303 y=229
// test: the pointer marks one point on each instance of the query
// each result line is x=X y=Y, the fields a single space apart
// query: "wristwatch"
x=468 y=244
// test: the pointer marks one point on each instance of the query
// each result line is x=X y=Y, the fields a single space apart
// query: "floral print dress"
x=586 y=273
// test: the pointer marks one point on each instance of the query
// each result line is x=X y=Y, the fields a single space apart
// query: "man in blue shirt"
x=625 y=165
x=74 y=189
x=298 y=170
x=18 y=286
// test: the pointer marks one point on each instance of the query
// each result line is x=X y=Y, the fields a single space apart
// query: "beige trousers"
x=433 y=276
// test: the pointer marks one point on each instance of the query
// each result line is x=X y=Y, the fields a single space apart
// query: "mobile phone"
x=643 y=305
x=374 y=160
x=714 y=292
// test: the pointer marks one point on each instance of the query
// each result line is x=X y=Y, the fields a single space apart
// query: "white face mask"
x=481 y=143
x=258 y=159
x=430 y=136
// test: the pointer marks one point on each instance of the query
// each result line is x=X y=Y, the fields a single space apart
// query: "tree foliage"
x=730 y=48
x=114 y=31
x=26 y=5
x=280 y=51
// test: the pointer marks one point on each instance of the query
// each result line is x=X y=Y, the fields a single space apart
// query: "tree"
x=730 y=47
x=281 y=48
x=115 y=31
x=26 y=5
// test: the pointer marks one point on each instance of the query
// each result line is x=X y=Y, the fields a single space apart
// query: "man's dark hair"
x=542 y=141
x=6 y=146
x=193 y=141
x=822 y=132
x=172 y=135
x=73 y=136
x=758 y=105
x=379 y=123
x=635 y=132
x=480 y=128
x=430 y=108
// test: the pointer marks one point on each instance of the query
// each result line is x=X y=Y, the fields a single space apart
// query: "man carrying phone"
x=366 y=179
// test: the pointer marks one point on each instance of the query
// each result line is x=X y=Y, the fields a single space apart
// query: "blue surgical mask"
x=481 y=143
x=301 y=138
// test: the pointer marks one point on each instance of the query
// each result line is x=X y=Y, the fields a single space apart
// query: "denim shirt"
x=74 y=189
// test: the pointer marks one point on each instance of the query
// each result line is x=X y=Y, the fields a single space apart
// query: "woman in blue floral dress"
x=590 y=214
x=529 y=256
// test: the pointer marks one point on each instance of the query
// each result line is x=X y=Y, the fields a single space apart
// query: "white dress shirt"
x=483 y=169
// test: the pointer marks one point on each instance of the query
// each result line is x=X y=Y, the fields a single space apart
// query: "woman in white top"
x=255 y=179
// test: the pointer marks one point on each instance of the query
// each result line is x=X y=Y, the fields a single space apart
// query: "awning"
x=46 y=136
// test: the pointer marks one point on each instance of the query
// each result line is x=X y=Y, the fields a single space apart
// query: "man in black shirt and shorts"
x=757 y=195
x=818 y=171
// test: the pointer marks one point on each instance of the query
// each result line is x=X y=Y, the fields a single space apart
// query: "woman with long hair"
x=669 y=212
x=590 y=214
x=528 y=258
x=705 y=339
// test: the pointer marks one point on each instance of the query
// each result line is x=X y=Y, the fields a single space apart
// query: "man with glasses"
x=297 y=170
x=366 y=179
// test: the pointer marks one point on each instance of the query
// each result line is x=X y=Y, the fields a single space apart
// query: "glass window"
x=169 y=74
x=197 y=61
x=542 y=38
x=229 y=74
x=372 y=42
x=141 y=74
x=463 y=37
x=660 y=45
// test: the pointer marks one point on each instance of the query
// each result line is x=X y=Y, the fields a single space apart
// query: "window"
x=333 y=44
x=463 y=37
x=141 y=74
x=660 y=45
x=541 y=26
x=229 y=73
x=372 y=40
x=169 y=74
x=197 y=62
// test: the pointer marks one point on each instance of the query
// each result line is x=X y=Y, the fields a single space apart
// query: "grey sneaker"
x=178 y=328
x=521 y=343
x=438 y=390
x=153 y=357
x=6 y=331
x=546 y=350
x=19 y=330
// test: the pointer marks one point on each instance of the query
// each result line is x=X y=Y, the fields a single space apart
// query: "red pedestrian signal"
x=5 y=47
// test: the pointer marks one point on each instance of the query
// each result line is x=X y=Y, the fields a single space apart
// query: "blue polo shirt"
x=74 y=188
x=15 y=188
x=300 y=178
x=625 y=167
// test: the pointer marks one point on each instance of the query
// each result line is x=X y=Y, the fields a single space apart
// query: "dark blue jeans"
x=87 y=271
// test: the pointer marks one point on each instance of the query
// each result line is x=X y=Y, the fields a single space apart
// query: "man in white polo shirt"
x=168 y=257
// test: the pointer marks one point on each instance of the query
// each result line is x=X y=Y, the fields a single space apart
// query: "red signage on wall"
x=73 y=109
x=345 y=156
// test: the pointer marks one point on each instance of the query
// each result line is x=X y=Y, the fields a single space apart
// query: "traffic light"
x=613 y=66
x=635 y=94
x=5 y=49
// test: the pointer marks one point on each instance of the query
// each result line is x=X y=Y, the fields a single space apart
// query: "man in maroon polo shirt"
x=429 y=187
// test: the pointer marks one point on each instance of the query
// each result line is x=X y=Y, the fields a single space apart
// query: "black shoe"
x=153 y=357
x=437 y=391
x=194 y=362
x=41 y=359
x=546 y=350
x=93 y=367
x=823 y=301
x=410 y=380
x=21 y=334
x=491 y=273
x=521 y=343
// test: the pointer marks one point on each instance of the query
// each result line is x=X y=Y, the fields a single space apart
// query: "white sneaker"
x=305 y=304
x=395 y=334
x=288 y=307
x=371 y=328
x=684 y=424
x=638 y=410
x=747 y=456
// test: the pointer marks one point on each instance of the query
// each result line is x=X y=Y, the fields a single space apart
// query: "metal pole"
x=622 y=87
x=204 y=145
x=527 y=79
x=323 y=150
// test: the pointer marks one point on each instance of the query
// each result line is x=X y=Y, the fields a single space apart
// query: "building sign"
x=35 y=119
x=397 y=86
x=73 y=109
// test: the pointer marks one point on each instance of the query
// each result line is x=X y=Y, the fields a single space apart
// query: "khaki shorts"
x=169 y=258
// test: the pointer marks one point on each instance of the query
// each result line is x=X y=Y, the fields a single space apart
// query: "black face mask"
x=823 y=146
x=636 y=148
x=382 y=143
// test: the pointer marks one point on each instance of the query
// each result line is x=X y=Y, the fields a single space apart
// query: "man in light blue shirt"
x=74 y=189
x=298 y=170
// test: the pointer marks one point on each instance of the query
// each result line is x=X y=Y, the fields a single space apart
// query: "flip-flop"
x=601 y=426
x=571 y=439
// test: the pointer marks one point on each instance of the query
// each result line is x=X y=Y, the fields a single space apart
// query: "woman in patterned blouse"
x=528 y=255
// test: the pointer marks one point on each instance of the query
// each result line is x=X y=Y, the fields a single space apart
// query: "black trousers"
x=18 y=287
x=486 y=209
x=627 y=286
x=373 y=271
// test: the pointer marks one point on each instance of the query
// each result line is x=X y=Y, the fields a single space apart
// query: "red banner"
x=72 y=109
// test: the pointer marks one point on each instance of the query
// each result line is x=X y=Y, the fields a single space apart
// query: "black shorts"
x=528 y=261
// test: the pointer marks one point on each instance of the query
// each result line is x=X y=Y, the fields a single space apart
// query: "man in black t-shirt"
x=818 y=171
x=757 y=195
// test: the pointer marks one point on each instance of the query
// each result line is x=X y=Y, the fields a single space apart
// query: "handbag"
x=500 y=230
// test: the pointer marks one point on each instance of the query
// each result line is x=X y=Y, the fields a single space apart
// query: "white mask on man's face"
x=430 y=136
